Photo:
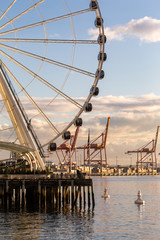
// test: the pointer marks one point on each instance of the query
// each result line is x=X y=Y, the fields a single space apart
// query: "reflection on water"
x=115 y=218
x=46 y=224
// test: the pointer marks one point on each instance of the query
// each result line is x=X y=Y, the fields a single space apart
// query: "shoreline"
x=115 y=175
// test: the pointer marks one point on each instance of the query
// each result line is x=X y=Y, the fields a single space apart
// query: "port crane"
x=96 y=152
x=68 y=151
x=146 y=155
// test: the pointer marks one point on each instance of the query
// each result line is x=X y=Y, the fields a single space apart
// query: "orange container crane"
x=68 y=150
x=146 y=155
x=96 y=152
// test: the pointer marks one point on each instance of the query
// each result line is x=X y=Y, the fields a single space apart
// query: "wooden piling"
x=76 y=195
x=10 y=197
x=56 y=196
x=84 y=197
x=6 y=195
x=80 y=198
x=40 y=193
x=23 y=194
x=93 y=200
x=17 y=196
x=43 y=197
x=72 y=193
x=59 y=188
x=52 y=196
x=89 y=201
x=67 y=195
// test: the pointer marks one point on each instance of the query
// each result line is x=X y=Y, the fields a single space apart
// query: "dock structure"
x=40 y=192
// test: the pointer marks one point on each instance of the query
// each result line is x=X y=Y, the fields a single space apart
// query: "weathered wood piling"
x=38 y=192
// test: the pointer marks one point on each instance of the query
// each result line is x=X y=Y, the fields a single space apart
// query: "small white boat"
x=105 y=195
x=139 y=199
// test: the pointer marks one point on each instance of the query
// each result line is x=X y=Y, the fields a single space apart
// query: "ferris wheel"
x=49 y=70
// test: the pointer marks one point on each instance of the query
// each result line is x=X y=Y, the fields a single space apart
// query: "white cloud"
x=134 y=121
x=146 y=29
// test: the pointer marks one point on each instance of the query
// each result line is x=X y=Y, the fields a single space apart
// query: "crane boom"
x=156 y=139
x=106 y=132
x=75 y=138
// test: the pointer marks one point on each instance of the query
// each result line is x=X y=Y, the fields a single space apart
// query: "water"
x=114 y=218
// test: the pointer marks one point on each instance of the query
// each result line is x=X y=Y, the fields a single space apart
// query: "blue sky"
x=129 y=93
x=133 y=47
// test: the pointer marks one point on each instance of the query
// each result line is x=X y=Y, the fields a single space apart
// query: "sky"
x=129 y=93
x=131 y=87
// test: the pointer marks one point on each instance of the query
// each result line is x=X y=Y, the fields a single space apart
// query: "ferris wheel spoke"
x=30 y=98
x=47 y=60
x=48 y=40
x=41 y=79
x=21 y=14
x=44 y=22
x=7 y=9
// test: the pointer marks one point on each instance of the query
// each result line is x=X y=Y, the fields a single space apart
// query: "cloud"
x=133 y=123
x=129 y=114
x=146 y=29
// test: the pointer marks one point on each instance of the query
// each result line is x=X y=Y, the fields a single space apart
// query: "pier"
x=41 y=191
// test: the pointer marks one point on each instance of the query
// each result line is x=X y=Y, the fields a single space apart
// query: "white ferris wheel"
x=49 y=71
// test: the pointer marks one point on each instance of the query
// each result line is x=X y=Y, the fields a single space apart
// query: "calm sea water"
x=114 y=218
